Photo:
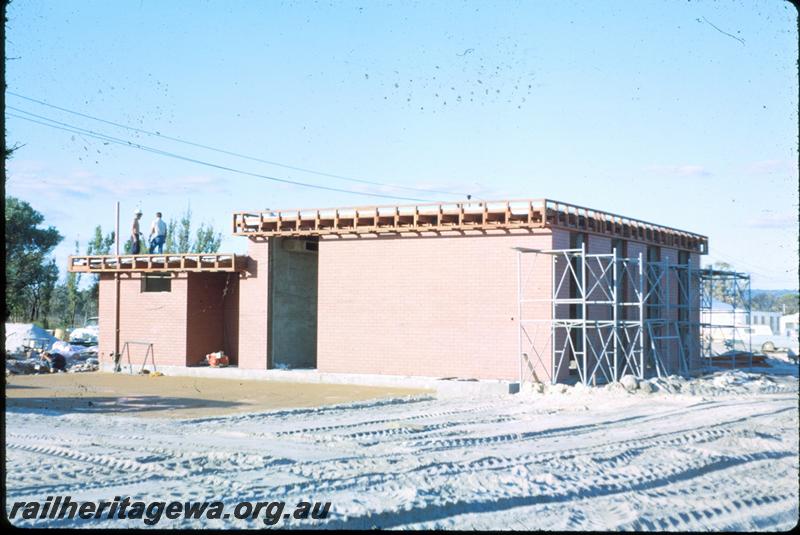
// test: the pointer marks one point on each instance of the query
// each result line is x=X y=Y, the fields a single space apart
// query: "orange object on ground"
x=217 y=360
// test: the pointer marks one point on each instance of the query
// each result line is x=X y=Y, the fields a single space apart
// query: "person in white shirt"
x=158 y=234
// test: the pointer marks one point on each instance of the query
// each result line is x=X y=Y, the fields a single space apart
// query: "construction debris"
x=32 y=360
x=629 y=382
x=739 y=359
x=91 y=365
x=217 y=360
x=31 y=366
x=646 y=387
x=27 y=343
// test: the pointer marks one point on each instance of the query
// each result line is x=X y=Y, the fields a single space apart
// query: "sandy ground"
x=176 y=397
x=714 y=453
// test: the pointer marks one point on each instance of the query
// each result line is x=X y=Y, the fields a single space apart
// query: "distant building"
x=724 y=322
x=788 y=325
x=765 y=323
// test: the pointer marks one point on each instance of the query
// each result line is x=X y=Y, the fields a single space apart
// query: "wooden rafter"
x=461 y=216
x=146 y=263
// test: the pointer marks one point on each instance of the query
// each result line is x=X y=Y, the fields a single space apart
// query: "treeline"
x=764 y=301
x=31 y=273
x=785 y=303
x=34 y=291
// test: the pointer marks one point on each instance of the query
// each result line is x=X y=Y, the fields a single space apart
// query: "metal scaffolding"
x=725 y=319
x=602 y=316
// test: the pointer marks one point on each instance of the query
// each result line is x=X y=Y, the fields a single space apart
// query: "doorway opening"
x=293 y=284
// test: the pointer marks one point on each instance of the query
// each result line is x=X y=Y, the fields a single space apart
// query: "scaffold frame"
x=736 y=293
x=611 y=316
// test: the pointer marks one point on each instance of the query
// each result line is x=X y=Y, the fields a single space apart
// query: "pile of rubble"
x=716 y=383
x=27 y=343
x=30 y=360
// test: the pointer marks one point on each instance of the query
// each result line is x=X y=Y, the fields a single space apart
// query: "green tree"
x=48 y=289
x=73 y=294
x=207 y=240
x=185 y=232
x=783 y=302
x=100 y=244
x=763 y=301
x=27 y=249
x=179 y=236
x=723 y=290
x=169 y=242
x=38 y=293
x=788 y=303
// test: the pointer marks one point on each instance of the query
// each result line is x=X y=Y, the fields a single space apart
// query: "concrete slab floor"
x=178 y=397
x=458 y=387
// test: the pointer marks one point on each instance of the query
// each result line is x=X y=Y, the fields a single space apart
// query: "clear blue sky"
x=681 y=113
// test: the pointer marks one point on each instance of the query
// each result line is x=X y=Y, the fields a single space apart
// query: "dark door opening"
x=293 y=270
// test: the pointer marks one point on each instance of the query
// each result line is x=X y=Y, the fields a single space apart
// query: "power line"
x=104 y=137
x=754 y=268
x=753 y=271
x=52 y=123
x=111 y=139
x=231 y=153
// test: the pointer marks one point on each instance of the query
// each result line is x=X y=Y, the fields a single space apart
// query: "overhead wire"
x=753 y=268
x=232 y=153
x=98 y=135
x=59 y=125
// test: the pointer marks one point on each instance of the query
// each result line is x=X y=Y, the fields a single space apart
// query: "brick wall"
x=536 y=311
x=439 y=306
x=156 y=317
x=253 y=308
x=205 y=316
x=183 y=324
x=188 y=322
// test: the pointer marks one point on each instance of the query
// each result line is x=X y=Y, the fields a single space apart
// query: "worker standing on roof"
x=158 y=234
x=137 y=215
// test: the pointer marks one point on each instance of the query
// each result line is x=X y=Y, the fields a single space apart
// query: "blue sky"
x=680 y=113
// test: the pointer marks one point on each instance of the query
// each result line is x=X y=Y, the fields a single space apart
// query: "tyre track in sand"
x=332 y=476
x=684 y=465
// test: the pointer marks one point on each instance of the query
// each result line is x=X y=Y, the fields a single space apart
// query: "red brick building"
x=428 y=290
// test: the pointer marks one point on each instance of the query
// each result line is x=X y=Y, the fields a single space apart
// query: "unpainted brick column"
x=253 y=308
